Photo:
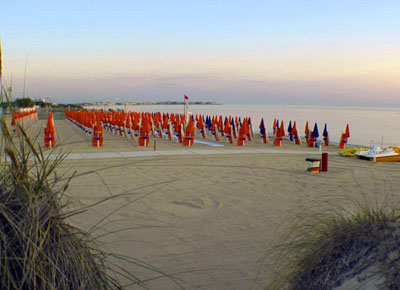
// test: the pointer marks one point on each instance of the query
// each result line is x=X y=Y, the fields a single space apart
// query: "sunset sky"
x=287 y=52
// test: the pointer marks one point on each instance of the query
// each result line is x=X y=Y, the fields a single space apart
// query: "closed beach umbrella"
x=347 y=131
x=262 y=128
x=189 y=134
x=344 y=137
x=200 y=123
x=233 y=127
x=49 y=131
x=282 y=128
x=315 y=133
x=278 y=136
x=306 y=130
x=220 y=125
x=325 y=134
x=263 y=132
x=227 y=127
x=290 y=131
x=295 y=134
x=165 y=122
x=246 y=126
x=241 y=140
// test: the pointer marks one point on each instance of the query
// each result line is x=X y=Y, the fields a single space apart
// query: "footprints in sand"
x=198 y=203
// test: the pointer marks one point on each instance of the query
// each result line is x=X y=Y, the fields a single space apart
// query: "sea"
x=368 y=126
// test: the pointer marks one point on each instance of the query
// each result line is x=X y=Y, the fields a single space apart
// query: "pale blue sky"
x=334 y=52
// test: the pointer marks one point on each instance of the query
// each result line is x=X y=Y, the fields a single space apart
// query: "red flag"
x=186 y=97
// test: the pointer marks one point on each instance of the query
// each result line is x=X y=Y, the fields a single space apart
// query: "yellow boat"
x=350 y=152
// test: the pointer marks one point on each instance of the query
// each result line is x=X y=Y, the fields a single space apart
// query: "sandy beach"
x=204 y=218
x=192 y=210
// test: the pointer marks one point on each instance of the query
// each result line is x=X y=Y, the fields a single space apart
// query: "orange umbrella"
x=189 y=136
x=200 y=125
x=49 y=131
x=241 y=140
x=347 y=131
x=165 y=122
x=295 y=134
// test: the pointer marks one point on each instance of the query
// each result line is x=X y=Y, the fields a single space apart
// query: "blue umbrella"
x=277 y=124
x=233 y=125
x=325 y=134
x=315 y=133
x=290 y=130
x=262 y=128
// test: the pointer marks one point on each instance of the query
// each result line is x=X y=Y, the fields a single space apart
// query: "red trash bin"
x=324 y=163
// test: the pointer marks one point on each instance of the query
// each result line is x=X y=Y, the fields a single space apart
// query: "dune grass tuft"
x=336 y=239
x=39 y=248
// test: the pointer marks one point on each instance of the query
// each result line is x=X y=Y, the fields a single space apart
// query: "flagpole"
x=186 y=115
x=184 y=106
x=26 y=64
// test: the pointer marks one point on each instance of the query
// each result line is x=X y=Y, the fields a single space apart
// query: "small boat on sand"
x=379 y=154
x=351 y=152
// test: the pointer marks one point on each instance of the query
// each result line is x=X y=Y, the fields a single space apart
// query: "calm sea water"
x=367 y=125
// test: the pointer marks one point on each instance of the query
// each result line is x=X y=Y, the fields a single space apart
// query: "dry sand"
x=205 y=218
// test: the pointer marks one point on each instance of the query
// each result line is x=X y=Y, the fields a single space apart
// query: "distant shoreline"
x=147 y=103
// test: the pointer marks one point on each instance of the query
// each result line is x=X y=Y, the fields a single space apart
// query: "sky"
x=287 y=52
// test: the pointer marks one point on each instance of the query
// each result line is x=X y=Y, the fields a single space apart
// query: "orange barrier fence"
x=24 y=118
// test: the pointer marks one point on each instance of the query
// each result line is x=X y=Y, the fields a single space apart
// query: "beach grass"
x=337 y=240
x=39 y=248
